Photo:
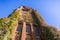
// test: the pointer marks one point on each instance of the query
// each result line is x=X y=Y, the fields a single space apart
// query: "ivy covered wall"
x=7 y=26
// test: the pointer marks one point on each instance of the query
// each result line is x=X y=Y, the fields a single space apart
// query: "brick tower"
x=28 y=25
x=31 y=26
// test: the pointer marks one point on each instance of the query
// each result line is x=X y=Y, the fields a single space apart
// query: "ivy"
x=7 y=28
x=48 y=33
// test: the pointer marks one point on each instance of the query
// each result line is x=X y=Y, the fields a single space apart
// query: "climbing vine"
x=7 y=28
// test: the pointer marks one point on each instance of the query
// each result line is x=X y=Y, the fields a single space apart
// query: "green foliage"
x=14 y=15
x=46 y=31
x=48 y=34
x=7 y=28
x=39 y=18
x=7 y=25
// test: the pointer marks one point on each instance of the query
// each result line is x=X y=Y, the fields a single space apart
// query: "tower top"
x=24 y=8
x=27 y=14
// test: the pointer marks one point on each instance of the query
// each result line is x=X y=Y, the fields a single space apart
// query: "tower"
x=30 y=26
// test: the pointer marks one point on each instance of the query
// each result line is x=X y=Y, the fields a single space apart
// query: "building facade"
x=31 y=26
x=28 y=27
x=26 y=24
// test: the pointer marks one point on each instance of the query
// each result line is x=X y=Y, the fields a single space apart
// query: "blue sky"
x=48 y=9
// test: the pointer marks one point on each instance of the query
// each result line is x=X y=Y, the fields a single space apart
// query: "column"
x=23 y=36
x=32 y=32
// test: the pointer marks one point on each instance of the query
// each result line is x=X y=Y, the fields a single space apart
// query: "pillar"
x=32 y=32
x=23 y=36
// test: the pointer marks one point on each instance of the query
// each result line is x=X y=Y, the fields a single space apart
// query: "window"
x=36 y=31
x=25 y=9
x=18 y=32
x=19 y=29
x=28 y=29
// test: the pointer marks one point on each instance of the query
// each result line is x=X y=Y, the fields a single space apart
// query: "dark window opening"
x=28 y=29
x=36 y=31
x=19 y=29
x=25 y=9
